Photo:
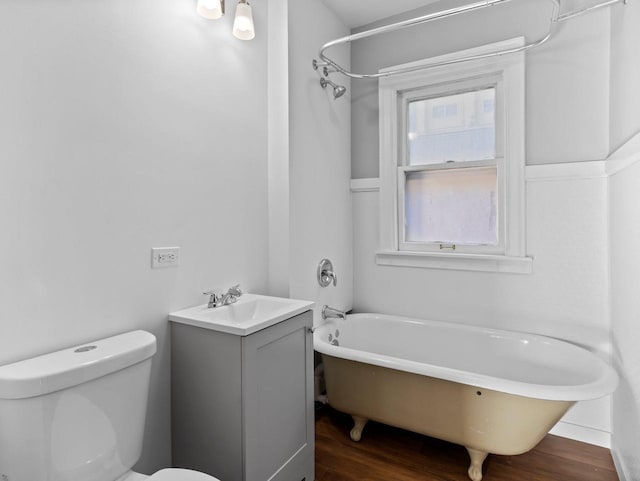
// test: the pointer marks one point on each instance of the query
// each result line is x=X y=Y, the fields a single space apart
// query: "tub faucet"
x=218 y=300
x=331 y=313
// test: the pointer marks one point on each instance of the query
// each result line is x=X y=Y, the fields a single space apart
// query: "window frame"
x=442 y=90
x=506 y=74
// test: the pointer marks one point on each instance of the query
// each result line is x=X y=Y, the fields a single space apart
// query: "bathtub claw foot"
x=358 y=426
x=475 y=468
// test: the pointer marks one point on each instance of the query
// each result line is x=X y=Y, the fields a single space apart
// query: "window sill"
x=458 y=261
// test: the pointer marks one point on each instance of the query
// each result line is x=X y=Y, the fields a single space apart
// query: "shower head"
x=338 y=90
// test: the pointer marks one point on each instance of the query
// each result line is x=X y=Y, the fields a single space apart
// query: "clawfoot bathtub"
x=490 y=391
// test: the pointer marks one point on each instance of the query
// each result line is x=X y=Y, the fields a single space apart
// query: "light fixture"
x=211 y=9
x=243 y=23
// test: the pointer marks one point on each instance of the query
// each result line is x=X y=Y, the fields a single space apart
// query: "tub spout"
x=331 y=313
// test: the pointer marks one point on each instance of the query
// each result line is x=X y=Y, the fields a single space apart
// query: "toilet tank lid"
x=76 y=365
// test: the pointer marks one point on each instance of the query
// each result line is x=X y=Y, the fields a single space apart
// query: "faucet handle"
x=235 y=290
x=328 y=276
x=325 y=274
x=213 y=298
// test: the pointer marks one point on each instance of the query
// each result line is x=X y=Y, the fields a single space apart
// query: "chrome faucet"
x=331 y=313
x=218 y=300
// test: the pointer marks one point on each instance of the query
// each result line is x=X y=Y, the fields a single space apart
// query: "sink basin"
x=246 y=310
x=249 y=314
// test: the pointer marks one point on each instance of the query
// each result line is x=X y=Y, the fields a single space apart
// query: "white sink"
x=250 y=313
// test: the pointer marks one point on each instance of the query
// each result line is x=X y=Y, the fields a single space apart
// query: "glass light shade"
x=243 y=23
x=211 y=9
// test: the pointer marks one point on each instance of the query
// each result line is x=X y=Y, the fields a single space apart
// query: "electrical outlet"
x=165 y=257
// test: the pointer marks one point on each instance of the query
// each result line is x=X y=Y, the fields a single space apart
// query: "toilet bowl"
x=170 y=474
x=78 y=414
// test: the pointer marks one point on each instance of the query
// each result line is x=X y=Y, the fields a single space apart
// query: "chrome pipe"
x=327 y=62
x=576 y=13
x=326 y=71
x=315 y=64
x=414 y=21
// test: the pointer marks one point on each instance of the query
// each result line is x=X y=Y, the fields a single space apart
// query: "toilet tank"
x=77 y=414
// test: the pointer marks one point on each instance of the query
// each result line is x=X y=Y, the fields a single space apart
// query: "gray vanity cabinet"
x=242 y=406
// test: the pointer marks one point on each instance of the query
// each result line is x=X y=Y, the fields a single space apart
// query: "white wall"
x=625 y=315
x=625 y=73
x=319 y=168
x=126 y=125
x=567 y=79
x=625 y=235
x=278 y=142
x=565 y=296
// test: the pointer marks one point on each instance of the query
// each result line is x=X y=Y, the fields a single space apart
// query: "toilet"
x=79 y=414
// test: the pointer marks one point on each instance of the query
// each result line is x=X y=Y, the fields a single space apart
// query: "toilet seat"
x=174 y=474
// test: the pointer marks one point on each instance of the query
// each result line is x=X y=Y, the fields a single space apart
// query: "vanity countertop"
x=249 y=314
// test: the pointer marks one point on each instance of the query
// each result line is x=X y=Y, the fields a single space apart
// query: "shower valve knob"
x=326 y=274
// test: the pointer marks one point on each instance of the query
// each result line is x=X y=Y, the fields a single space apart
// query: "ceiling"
x=355 y=13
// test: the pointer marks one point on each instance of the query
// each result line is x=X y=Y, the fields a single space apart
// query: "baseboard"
x=583 y=434
x=620 y=467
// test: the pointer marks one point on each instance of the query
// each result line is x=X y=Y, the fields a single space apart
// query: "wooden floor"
x=390 y=454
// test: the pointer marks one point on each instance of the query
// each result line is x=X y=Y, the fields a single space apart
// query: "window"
x=452 y=164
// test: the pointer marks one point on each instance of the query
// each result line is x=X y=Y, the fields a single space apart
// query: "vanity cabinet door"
x=277 y=387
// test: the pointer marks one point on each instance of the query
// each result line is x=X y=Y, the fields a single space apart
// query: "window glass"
x=459 y=127
x=453 y=206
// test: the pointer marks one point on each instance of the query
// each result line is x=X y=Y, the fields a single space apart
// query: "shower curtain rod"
x=555 y=19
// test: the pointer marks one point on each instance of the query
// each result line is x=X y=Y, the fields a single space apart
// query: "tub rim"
x=602 y=386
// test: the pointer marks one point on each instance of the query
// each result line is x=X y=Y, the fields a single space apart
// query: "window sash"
x=457 y=126
x=458 y=86
x=413 y=246
x=492 y=80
